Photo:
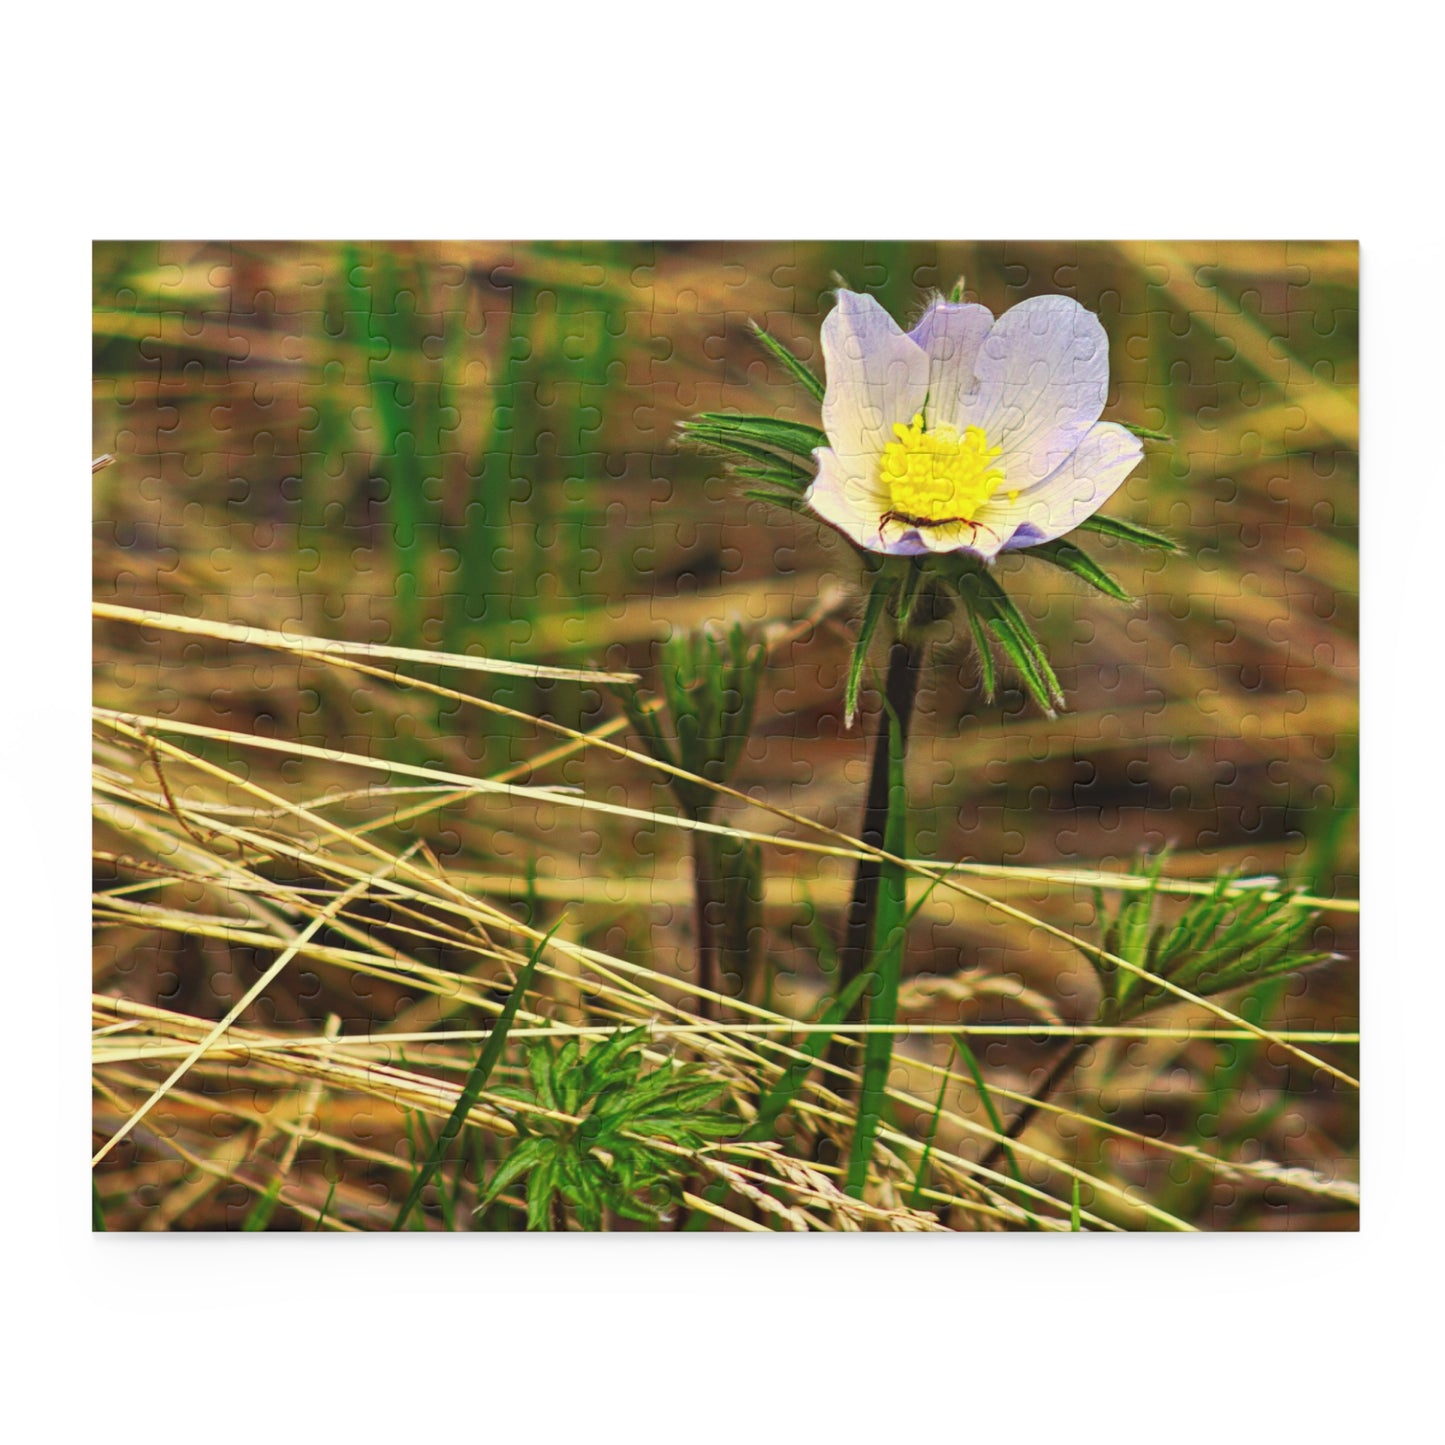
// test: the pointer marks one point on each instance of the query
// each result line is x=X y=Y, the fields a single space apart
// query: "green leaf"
x=1064 y=554
x=325 y=1206
x=1127 y=532
x=541 y=1188
x=476 y=1080
x=791 y=363
x=525 y=1156
x=1147 y=433
x=986 y=1098
x=872 y=615
x=915 y=1200
x=1227 y=939
x=777 y=1099
x=259 y=1215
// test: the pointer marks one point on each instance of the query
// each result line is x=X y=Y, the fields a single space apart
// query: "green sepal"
x=1127 y=532
x=982 y=595
x=872 y=616
x=741 y=444
x=790 y=363
x=987 y=672
x=1145 y=433
x=1064 y=554
x=794 y=439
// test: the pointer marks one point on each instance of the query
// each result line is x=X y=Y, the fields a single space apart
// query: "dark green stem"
x=900 y=690
x=1064 y=1065
x=905 y=660
x=704 y=893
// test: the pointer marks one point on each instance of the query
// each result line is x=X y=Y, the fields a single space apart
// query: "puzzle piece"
x=475 y=450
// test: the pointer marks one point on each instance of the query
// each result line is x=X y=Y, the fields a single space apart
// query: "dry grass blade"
x=255 y=991
x=322 y=646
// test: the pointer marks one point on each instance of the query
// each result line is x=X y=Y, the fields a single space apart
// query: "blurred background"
x=470 y=446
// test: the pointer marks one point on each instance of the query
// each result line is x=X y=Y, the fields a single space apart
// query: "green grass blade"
x=325 y=1206
x=915 y=1199
x=889 y=931
x=97 y=1213
x=476 y=1080
x=995 y=1119
x=772 y=1104
x=259 y=1215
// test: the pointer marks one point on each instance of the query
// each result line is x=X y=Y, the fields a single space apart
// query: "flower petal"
x=1043 y=378
x=1090 y=475
x=951 y=334
x=876 y=377
x=980 y=538
x=855 y=505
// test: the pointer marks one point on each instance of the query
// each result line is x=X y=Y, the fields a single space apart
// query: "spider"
x=907 y=519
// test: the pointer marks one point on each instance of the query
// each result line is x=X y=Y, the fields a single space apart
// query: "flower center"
x=942 y=475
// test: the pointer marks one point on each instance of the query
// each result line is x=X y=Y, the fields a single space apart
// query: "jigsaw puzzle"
x=717 y=736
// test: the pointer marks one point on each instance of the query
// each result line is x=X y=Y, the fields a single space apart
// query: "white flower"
x=966 y=433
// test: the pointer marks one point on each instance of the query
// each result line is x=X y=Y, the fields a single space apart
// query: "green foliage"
x=477 y=1078
x=986 y=1099
x=999 y=622
x=610 y=1151
x=259 y=1215
x=810 y=1049
x=711 y=687
x=740 y=935
x=1231 y=937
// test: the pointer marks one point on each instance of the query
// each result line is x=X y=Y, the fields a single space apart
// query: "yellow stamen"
x=942 y=474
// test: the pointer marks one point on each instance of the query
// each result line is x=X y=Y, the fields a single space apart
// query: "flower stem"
x=905 y=661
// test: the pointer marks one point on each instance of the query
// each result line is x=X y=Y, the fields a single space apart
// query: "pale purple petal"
x=876 y=377
x=1090 y=475
x=1043 y=378
x=951 y=334
x=855 y=504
